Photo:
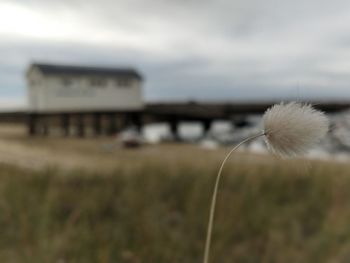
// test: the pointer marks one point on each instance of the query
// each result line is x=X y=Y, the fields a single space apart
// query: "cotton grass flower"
x=289 y=130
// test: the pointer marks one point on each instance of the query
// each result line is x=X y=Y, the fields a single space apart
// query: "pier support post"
x=97 y=123
x=174 y=128
x=65 y=124
x=112 y=125
x=136 y=121
x=206 y=126
x=45 y=125
x=80 y=125
x=32 y=118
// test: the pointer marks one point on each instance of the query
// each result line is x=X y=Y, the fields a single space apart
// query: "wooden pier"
x=107 y=123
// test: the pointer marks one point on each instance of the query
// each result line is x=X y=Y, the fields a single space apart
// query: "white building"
x=57 y=88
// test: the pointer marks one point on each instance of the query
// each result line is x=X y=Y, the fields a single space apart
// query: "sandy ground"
x=90 y=153
x=34 y=153
x=106 y=154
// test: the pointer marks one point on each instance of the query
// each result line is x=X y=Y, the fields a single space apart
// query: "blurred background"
x=115 y=116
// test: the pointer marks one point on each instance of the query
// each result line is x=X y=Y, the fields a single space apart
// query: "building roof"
x=50 y=69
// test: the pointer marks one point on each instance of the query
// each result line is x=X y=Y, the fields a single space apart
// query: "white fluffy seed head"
x=291 y=129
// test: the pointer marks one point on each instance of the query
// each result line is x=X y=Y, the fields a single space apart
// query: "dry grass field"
x=74 y=200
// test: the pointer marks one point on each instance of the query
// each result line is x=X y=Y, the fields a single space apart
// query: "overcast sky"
x=186 y=49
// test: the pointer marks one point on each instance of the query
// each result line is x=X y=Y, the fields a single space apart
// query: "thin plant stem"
x=214 y=197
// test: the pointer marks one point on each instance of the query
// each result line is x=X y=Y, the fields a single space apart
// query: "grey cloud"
x=204 y=49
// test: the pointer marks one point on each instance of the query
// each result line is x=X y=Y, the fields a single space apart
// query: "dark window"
x=98 y=82
x=123 y=82
x=66 y=82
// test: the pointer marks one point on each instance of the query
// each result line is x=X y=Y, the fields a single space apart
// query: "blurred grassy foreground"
x=152 y=206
